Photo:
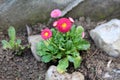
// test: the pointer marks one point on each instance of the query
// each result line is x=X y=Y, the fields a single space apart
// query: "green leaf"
x=72 y=32
x=40 y=45
x=51 y=48
x=76 y=40
x=72 y=52
x=69 y=44
x=22 y=47
x=42 y=53
x=68 y=52
x=12 y=43
x=79 y=31
x=77 y=61
x=63 y=64
x=61 y=39
x=53 y=32
x=83 y=45
x=60 y=48
x=58 y=56
x=70 y=58
x=18 y=41
x=47 y=58
x=12 y=33
x=41 y=49
x=73 y=29
x=6 y=44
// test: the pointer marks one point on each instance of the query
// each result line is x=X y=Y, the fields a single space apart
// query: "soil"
x=26 y=67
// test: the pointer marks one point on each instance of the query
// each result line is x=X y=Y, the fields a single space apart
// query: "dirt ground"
x=26 y=67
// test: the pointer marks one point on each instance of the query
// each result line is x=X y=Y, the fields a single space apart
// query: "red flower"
x=63 y=25
x=46 y=34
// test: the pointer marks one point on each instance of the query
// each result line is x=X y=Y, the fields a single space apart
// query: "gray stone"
x=111 y=73
x=52 y=74
x=77 y=76
x=107 y=37
x=21 y=12
x=97 y=9
x=33 y=40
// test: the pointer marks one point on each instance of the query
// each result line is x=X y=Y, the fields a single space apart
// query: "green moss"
x=100 y=16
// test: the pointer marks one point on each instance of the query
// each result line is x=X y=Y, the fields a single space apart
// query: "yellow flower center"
x=64 y=25
x=46 y=34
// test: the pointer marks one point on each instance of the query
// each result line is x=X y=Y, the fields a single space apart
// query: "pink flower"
x=56 y=13
x=83 y=34
x=63 y=25
x=46 y=34
x=55 y=23
x=71 y=19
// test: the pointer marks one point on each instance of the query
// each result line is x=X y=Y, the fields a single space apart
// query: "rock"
x=110 y=72
x=97 y=9
x=21 y=12
x=111 y=75
x=77 y=76
x=107 y=37
x=52 y=74
x=33 y=40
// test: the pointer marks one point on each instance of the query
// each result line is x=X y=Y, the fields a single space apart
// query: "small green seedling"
x=13 y=44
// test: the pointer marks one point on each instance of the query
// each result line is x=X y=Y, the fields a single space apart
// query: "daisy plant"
x=63 y=43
